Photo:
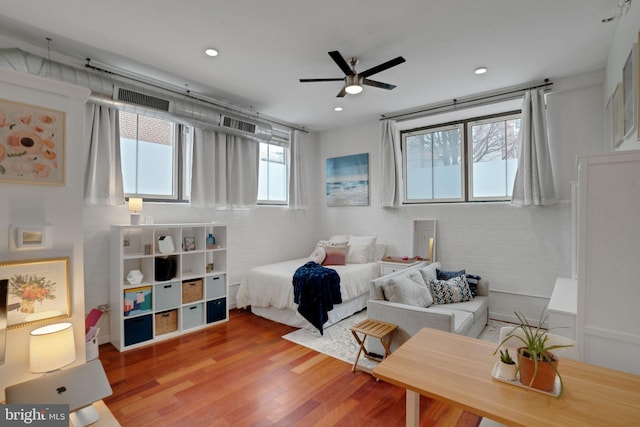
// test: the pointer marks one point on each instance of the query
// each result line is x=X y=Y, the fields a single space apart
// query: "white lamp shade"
x=51 y=347
x=135 y=204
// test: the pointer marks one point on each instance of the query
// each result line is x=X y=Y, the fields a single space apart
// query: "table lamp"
x=135 y=206
x=51 y=347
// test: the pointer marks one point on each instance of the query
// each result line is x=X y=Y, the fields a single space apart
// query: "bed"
x=268 y=289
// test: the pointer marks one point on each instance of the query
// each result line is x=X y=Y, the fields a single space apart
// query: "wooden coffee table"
x=373 y=328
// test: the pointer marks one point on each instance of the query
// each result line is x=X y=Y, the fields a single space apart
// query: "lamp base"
x=135 y=219
x=84 y=416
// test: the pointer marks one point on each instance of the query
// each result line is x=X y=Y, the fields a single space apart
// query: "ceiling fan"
x=353 y=80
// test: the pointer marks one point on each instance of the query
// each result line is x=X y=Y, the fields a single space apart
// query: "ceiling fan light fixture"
x=338 y=108
x=480 y=70
x=353 y=85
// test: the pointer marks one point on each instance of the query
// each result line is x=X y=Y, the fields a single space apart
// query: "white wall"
x=60 y=206
x=255 y=236
x=519 y=251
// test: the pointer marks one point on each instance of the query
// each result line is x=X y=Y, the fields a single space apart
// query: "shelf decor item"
x=537 y=365
x=134 y=277
x=135 y=207
x=165 y=245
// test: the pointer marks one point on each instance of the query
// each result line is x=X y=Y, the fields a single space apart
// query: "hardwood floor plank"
x=242 y=373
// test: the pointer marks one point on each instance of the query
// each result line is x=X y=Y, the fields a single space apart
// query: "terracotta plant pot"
x=545 y=378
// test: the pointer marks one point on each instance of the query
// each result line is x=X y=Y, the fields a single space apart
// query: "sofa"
x=466 y=318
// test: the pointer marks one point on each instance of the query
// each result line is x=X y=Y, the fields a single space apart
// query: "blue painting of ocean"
x=348 y=180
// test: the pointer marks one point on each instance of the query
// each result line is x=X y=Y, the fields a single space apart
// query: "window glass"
x=272 y=180
x=494 y=150
x=433 y=164
x=148 y=154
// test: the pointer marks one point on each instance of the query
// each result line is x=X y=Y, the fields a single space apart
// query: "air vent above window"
x=232 y=123
x=143 y=100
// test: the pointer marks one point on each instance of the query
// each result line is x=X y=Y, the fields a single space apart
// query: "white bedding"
x=272 y=285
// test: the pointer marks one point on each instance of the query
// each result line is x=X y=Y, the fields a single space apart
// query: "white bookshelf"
x=164 y=305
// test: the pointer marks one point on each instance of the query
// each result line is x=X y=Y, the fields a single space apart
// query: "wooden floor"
x=242 y=373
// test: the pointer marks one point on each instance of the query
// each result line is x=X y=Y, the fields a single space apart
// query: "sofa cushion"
x=408 y=289
x=450 y=291
x=463 y=320
x=477 y=306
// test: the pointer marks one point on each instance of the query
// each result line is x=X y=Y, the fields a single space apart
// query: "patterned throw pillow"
x=446 y=275
x=450 y=291
x=472 y=280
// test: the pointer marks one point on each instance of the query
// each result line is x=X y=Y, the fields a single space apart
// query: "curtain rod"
x=189 y=94
x=468 y=102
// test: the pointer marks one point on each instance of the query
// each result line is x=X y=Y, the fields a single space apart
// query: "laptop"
x=77 y=387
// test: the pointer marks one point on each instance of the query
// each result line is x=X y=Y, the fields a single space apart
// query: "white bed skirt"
x=295 y=319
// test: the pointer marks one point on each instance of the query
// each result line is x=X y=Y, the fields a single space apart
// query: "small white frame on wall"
x=29 y=237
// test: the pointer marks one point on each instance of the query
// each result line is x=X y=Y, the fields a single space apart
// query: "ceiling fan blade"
x=373 y=70
x=342 y=63
x=378 y=84
x=342 y=93
x=337 y=79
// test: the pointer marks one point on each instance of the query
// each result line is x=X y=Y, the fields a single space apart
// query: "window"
x=494 y=154
x=151 y=151
x=272 y=178
x=471 y=160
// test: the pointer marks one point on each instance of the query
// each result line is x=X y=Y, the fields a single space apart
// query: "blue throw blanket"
x=316 y=289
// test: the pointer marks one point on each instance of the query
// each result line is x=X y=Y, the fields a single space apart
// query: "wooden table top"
x=457 y=369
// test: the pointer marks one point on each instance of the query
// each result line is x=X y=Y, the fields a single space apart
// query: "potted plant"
x=537 y=365
x=507 y=368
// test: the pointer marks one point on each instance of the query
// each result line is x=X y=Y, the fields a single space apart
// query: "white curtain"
x=533 y=185
x=390 y=164
x=225 y=170
x=297 y=199
x=103 y=180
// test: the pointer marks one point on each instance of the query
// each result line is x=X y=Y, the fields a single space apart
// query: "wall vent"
x=143 y=100
x=236 y=124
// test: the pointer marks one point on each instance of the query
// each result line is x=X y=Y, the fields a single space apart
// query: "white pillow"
x=326 y=243
x=318 y=255
x=378 y=251
x=360 y=249
x=429 y=272
x=339 y=238
x=408 y=289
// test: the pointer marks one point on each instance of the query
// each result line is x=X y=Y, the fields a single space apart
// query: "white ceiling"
x=266 y=46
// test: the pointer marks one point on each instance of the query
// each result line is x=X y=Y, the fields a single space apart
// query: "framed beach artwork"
x=348 y=180
x=32 y=141
x=38 y=290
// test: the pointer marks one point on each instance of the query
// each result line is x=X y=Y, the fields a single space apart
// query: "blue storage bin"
x=138 y=329
x=216 y=310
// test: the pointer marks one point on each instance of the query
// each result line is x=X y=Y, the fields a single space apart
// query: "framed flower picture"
x=37 y=290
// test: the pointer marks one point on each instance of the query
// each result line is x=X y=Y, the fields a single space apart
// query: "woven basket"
x=166 y=322
x=192 y=291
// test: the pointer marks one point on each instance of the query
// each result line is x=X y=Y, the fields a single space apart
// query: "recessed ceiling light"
x=211 y=52
x=480 y=70
x=337 y=109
